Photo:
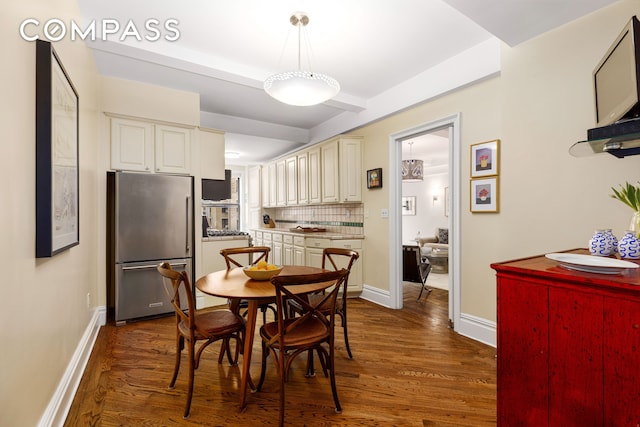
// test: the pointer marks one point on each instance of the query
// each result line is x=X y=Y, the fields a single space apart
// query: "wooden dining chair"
x=193 y=326
x=334 y=258
x=289 y=337
x=241 y=257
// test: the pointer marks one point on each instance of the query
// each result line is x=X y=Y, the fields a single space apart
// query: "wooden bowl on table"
x=262 y=274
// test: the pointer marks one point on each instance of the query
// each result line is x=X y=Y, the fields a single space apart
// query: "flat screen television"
x=616 y=78
x=217 y=189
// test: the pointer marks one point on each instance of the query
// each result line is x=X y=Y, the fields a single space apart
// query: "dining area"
x=288 y=366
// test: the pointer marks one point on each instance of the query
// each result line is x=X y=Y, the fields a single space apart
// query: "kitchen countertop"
x=333 y=235
x=218 y=238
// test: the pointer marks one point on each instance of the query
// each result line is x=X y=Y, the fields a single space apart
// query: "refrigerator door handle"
x=188 y=222
x=146 y=267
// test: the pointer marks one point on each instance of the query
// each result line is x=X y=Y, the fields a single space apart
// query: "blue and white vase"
x=601 y=244
x=613 y=239
x=629 y=246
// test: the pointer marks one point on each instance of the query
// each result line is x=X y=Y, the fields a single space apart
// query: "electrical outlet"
x=88 y=300
x=384 y=213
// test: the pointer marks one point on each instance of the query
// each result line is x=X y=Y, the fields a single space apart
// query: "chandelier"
x=412 y=169
x=301 y=88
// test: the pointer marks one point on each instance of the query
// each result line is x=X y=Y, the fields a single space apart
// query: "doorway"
x=448 y=200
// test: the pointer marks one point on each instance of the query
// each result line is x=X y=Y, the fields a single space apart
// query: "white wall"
x=429 y=212
x=539 y=106
x=43 y=310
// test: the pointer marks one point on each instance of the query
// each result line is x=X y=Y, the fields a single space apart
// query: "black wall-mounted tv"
x=616 y=78
x=217 y=189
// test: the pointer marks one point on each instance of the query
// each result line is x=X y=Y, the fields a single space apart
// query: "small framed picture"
x=484 y=195
x=374 y=178
x=485 y=158
x=409 y=205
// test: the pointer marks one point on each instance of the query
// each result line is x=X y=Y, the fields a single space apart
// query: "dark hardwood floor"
x=409 y=369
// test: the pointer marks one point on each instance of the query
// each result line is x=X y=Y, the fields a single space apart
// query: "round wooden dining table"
x=236 y=285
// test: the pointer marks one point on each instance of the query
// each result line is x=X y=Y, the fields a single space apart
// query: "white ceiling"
x=384 y=54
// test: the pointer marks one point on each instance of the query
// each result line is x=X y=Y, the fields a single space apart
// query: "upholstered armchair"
x=437 y=243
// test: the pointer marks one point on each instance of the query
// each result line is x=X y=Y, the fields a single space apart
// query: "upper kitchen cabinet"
x=329 y=172
x=143 y=146
x=272 y=183
x=173 y=149
x=314 y=177
x=302 y=178
x=212 y=161
x=341 y=174
x=254 y=187
x=291 y=180
x=265 y=189
x=281 y=183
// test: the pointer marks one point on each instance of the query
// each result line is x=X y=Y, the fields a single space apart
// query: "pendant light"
x=412 y=169
x=301 y=88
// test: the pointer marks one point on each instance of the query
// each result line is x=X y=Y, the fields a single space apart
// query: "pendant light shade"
x=412 y=169
x=301 y=88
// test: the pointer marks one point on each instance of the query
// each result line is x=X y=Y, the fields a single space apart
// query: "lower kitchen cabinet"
x=212 y=261
x=315 y=246
x=568 y=345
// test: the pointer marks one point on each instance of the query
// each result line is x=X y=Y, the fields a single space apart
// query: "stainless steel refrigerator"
x=149 y=220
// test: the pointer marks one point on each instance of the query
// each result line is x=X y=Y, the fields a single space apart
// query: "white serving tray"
x=592 y=264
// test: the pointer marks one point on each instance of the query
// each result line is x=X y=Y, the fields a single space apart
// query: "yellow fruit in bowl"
x=271 y=267
x=262 y=265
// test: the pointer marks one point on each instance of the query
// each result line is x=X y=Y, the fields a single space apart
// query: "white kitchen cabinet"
x=329 y=155
x=290 y=249
x=291 y=181
x=314 y=177
x=273 y=184
x=355 y=276
x=254 y=187
x=313 y=251
x=211 y=143
x=132 y=145
x=350 y=169
x=211 y=261
x=277 y=253
x=257 y=239
x=342 y=170
x=173 y=149
x=298 y=251
x=281 y=183
x=268 y=242
x=303 y=178
x=265 y=189
x=313 y=257
x=138 y=145
x=287 y=249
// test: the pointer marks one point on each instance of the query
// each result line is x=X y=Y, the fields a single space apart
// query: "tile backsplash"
x=341 y=218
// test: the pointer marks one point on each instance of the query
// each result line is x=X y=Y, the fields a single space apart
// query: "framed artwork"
x=485 y=158
x=57 y=225
x=374 y=178
x=409 y=205
x=484 y=195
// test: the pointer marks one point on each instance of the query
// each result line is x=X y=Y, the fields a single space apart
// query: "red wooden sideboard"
x=568 y=345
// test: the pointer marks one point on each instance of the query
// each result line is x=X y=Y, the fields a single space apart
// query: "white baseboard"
x=60 y=403
x=376 y=296
x=477 y=328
